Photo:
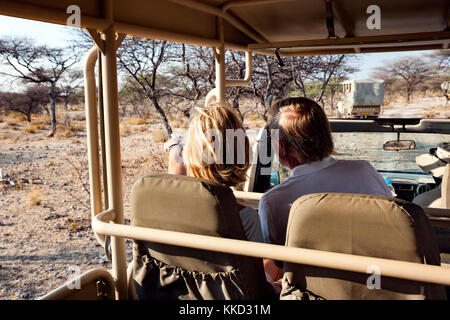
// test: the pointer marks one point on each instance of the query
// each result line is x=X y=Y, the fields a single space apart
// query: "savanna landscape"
x=45 y=233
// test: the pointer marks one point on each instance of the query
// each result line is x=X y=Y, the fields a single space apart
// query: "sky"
x=58 y=36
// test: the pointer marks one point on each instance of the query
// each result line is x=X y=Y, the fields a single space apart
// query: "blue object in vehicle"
x=391 y=187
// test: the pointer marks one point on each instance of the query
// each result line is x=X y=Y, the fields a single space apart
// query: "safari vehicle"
x=361 y=99
x=191 y=238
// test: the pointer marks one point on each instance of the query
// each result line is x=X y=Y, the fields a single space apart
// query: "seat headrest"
x=361 y=225
x=192 y=205
x=185 y=204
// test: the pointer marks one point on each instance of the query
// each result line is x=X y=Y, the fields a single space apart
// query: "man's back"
x=328 y=175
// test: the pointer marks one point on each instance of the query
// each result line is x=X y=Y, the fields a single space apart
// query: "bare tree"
x=270 y=82
x=413 y=71
x=69 y=85
x=195 y=77
x=143 y=60
x=323 y=72
x=27 y=103
x=37 y=64
x=442 y=60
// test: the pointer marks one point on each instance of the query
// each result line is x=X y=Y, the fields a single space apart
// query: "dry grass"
x=34 y=126
x=159 y=136
x=69 y=129
x=78 y=117
x=430 y=114
x=15 y=118
x=124 y=130
x=135 y=121
x=178 y=122
x=35 y=196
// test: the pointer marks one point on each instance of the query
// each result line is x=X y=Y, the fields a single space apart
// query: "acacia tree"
x=322 y=72
x=69 y=86
x=27 y=103
x=37 y=64
x=441 y=58
x=195 y=77
x=270 y=82
x=412 y=71
x=142 y=60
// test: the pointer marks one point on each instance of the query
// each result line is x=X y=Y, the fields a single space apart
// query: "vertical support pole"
x=220 y=63
x=113 y=158
x=102 y=130
x=92 y=135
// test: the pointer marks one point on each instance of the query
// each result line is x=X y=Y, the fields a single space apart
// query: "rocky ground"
x=45 y=233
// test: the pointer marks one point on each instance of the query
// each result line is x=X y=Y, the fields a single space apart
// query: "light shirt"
x=327 y=175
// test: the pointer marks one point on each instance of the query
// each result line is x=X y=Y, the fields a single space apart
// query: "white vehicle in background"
x=361 y=99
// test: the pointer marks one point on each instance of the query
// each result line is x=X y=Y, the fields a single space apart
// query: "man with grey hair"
x=305 y=145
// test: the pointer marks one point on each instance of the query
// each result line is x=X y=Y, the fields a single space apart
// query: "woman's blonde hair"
x=217 y=147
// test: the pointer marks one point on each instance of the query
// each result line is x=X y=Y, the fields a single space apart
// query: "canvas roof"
x=291 y=26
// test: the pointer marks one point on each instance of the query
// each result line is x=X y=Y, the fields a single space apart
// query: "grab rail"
x=341 y=261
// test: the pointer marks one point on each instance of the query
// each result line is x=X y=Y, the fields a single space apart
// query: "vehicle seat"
x=438 y=197
x=360 y=225
x=192 y=205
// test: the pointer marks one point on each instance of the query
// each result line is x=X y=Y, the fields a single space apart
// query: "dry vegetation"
x=44 y=204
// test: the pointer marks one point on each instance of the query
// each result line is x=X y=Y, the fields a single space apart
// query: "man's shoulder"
x=354 y=164
x=275 y=191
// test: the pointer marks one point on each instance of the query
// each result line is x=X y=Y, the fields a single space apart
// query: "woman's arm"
x=174 y=151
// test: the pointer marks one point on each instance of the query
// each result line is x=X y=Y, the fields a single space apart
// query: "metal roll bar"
x=341 y=261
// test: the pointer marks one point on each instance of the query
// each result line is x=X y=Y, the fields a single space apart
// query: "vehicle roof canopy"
x=296 y=27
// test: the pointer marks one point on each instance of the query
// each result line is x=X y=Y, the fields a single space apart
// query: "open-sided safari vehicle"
x=191 y=226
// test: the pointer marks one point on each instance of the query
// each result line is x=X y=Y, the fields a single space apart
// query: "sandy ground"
x=45 y=233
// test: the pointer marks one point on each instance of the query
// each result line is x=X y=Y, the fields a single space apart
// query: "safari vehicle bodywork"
x=271 y=27
x=361 y=98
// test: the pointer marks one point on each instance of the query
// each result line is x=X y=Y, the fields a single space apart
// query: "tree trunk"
x=408 y=95
x=236 y=106
x=53 y=109
x=163 y=115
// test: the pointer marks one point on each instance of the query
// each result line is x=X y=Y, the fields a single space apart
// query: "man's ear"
x=283 y=152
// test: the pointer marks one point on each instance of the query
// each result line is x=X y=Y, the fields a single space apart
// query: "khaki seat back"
x=187 y=204
x=445 y=188
x=438 y=197
x=360 y=225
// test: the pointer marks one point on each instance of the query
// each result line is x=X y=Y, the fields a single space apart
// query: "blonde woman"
x=217 y=149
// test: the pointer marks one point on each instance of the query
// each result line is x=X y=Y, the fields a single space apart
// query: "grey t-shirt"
x=252 y=224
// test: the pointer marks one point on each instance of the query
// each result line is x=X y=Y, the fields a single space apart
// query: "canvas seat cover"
x=187 y=204
x=360 y=225
x=438 y=197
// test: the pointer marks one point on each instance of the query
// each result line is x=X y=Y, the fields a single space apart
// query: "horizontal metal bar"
x=84 y=279
x=340 y=261
x=33 y=12
x=153 y=33
x=356 y=41
x=203 y=7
